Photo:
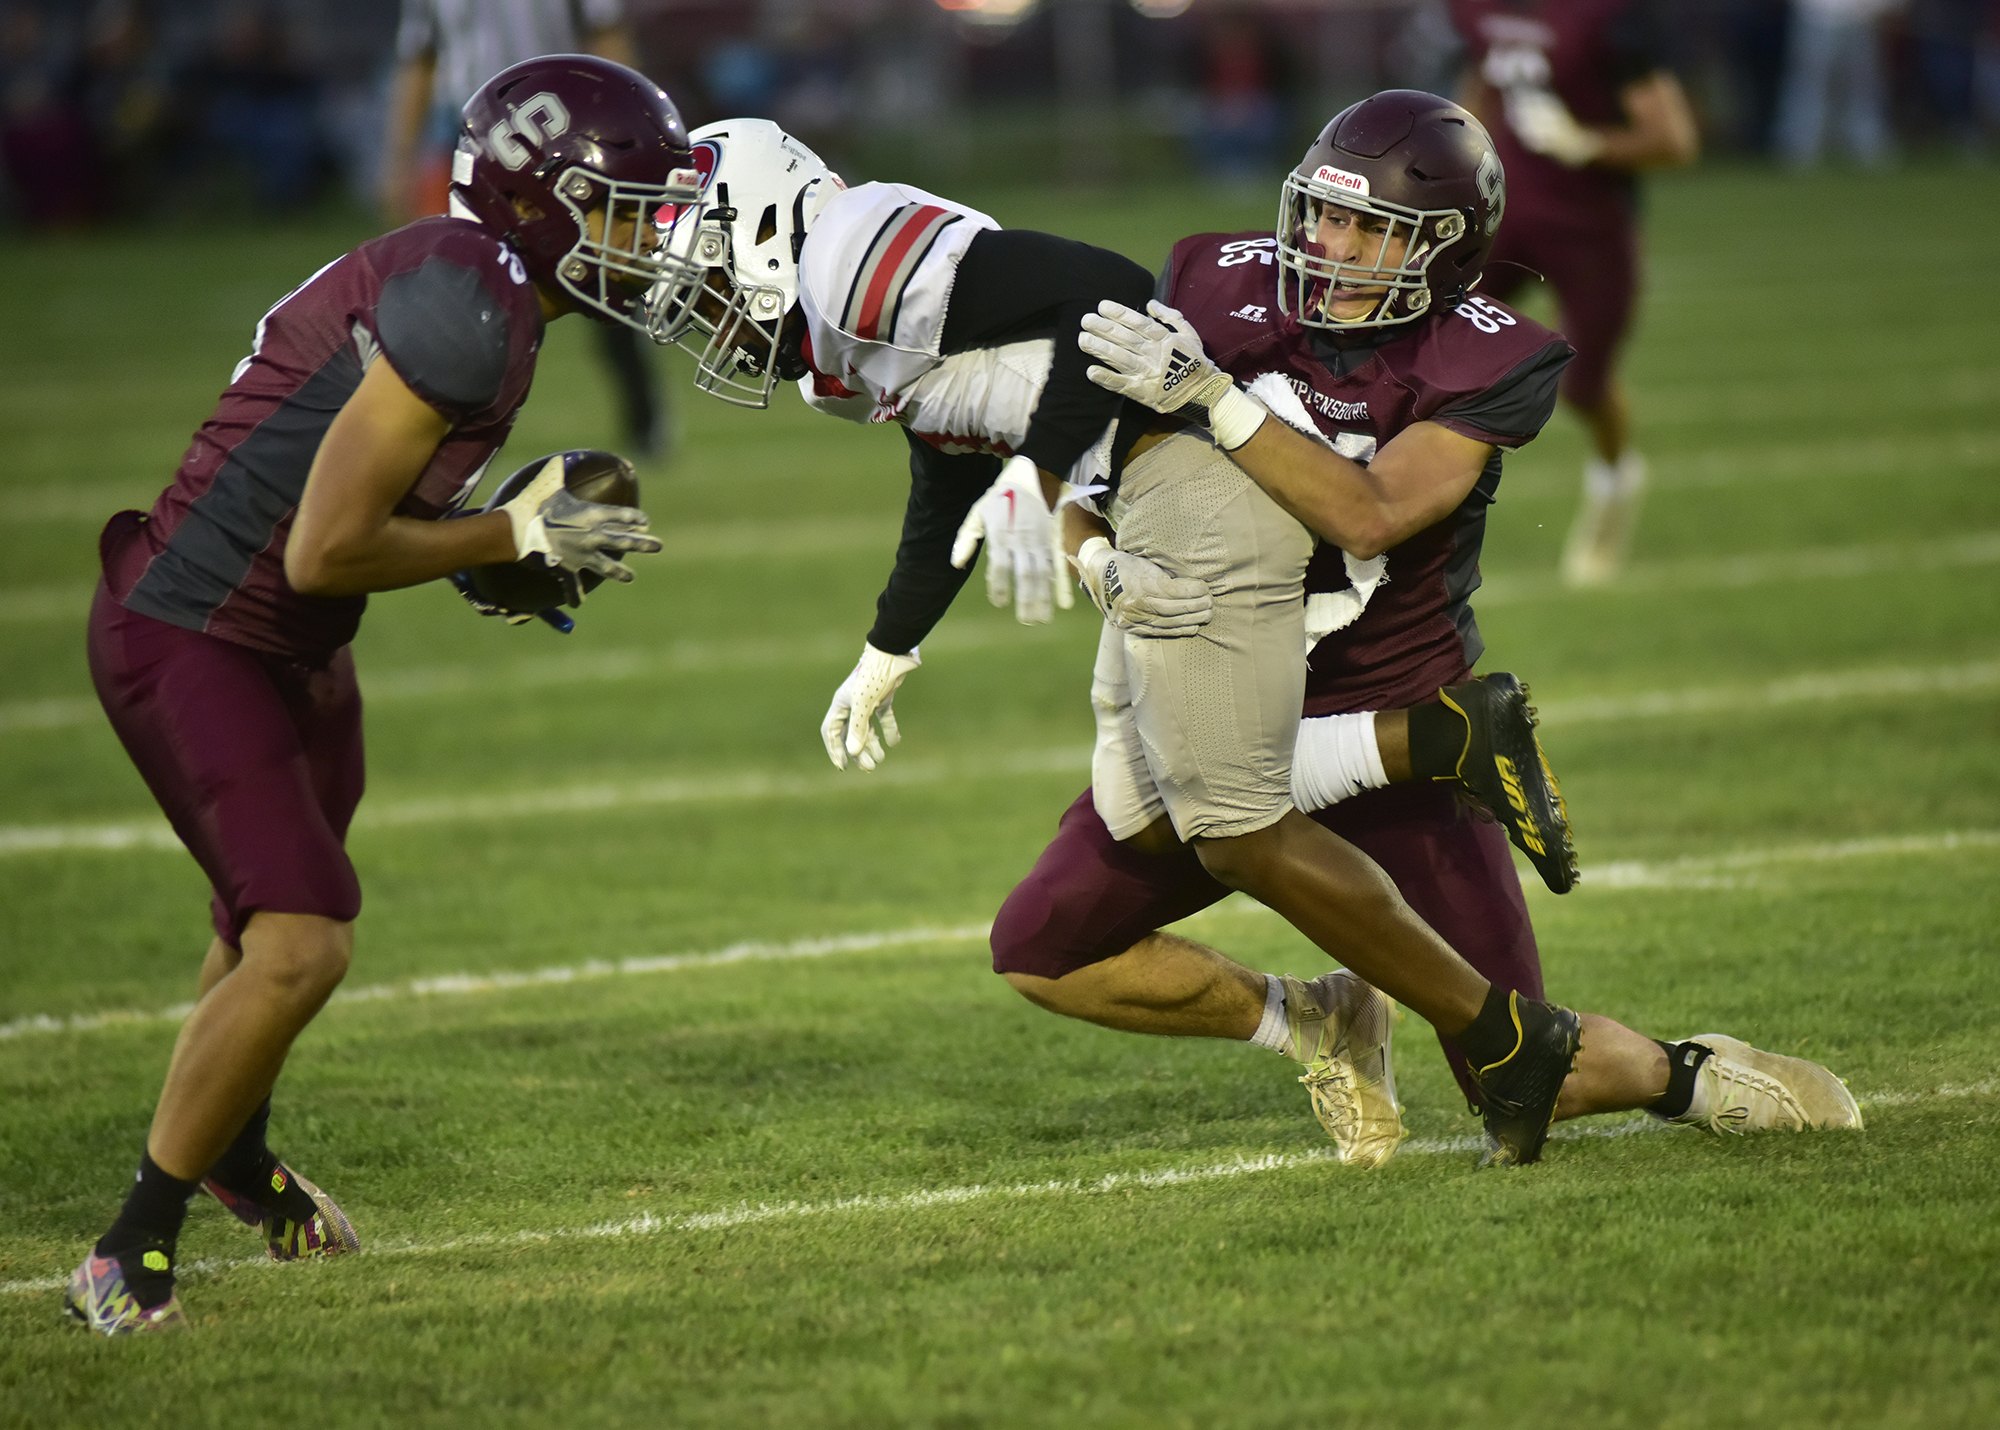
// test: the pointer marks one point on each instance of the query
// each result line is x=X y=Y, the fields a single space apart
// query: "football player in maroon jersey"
x=1579 y=99
x=371 y=402
x=886 y=304
x=1411 y=386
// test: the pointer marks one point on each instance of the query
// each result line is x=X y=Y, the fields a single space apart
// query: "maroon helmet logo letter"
x=539 y=120
x=1492 y=181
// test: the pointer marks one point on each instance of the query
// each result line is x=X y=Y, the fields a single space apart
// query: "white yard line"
x=651 y=1225
x=91 y=504
x=55 y=603
x=1698 y=873
x=153 y=833
x=1866 y=682
x=585 y=666
x=1761 y=569
x=1974 y=447
x=460 y=984
x=1976 y=678
x=1715 y=871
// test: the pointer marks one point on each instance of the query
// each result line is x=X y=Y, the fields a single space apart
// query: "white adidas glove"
x=1158 y=361
x=1021 y=536
x=574 y=534
x=1544 y=124
x=1137 y=596
x=862 y=702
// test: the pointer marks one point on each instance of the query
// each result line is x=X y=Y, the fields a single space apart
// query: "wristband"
x=1234 y=417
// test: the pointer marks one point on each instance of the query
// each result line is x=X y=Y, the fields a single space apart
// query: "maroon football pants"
x=1595 y=274
x=1090 y=897
x=256 y=760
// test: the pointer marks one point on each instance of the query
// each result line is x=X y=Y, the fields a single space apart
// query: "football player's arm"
x=346 y=538
x=1419 y=477
x=1659 y=132
x=923 y=583
x=860 y=725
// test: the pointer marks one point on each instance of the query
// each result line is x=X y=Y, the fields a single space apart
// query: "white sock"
x=1336 y=756
x=1272 y=1033
x=1609 y=481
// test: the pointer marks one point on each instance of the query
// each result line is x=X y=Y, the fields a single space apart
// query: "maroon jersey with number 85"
x=1479 y=369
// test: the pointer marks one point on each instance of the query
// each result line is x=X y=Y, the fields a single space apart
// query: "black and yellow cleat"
x=1519 y=1091
x=1503 y=767
x=298 y=1221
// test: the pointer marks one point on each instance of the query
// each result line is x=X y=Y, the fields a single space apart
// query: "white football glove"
x=1137 y=596
x=1159 y=361
x=1022 y=538
x=573 y=534
x=863 y=701
x=1544 y=124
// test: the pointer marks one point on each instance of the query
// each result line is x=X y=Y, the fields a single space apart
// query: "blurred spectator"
x=445 y=50
x=742 y=77
x=128 y=94
x=1242 y=116
x=810 y=48
x=351 y=44
x=1833 y=71
x=52 y=159
x=1749 y=65
x=1945 y=36
x=261 y=103
x=1986 y=69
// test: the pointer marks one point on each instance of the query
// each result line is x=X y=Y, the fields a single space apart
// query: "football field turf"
x=671 y=1085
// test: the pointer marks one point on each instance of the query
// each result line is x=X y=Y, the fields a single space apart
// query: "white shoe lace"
x=1736 y=1084
x=1333 y=1099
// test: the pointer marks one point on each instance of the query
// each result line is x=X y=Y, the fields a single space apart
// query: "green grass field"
x=671 y=1087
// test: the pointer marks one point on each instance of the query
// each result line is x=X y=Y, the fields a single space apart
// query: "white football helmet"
x=738 y=249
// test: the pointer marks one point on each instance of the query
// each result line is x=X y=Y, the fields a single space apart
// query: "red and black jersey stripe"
x=875 y=297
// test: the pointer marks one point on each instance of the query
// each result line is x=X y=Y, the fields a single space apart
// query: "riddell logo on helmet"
x=538 y=120
x=1341 y=179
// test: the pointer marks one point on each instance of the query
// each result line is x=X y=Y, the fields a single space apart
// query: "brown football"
x=529 y=585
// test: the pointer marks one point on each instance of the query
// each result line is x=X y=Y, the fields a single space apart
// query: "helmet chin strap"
x=789 y=357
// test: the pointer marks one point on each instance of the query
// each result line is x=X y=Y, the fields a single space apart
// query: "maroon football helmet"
x=1423 y=164
x=551 y=146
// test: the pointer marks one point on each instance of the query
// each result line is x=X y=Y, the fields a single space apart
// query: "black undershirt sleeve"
x=1013 y=284
x=942 y=490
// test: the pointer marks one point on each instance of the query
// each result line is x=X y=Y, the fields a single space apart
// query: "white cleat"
x=1339 y=1029
x=1744 y=1089
x=1598 y=538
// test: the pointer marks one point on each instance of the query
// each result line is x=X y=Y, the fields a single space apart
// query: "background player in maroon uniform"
x=1381 y=235
x=373 y=398
x=1579 y=98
